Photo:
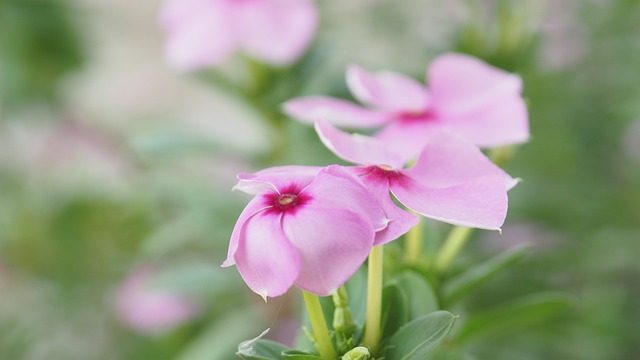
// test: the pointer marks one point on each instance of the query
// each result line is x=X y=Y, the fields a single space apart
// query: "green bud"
x=343 y=321
x=359 y=353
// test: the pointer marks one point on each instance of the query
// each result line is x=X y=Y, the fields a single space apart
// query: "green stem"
x=320 y=329
x=413 y=244
x=374 y=299
x=452 y=245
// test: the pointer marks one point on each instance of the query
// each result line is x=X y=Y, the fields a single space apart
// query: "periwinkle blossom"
x=150 y=310
x=307 y=226
x=451 y=181
x=466 y=96
x=202 y=33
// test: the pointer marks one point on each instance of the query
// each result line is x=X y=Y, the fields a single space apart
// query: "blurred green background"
x=110 y=162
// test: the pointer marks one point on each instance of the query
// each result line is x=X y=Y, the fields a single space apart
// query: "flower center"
x=416 y=116
x=386 y=167
x=287 y=199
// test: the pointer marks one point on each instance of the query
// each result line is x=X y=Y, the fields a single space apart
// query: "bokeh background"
x=115 y=173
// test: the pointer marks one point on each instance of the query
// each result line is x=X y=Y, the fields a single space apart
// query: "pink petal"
x=479 y=203
x=407 y=137
x=256 y=205
x=448 y=160
x=335 y=111
x=332 y=244
x=460 y=83
x=265 y=258
x=277 y=178
x=199 y=33
x=399 y=221
x=277 y=31
x=357 y=148
x=503 y=122
x=387 y=90
x=336 y=188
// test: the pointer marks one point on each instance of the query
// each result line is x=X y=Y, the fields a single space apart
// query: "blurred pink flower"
x=451 y=181
x=202 y=33
x=306 y=226
x=149 y=310
x=467 y=96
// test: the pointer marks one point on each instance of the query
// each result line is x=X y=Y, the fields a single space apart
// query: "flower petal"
x=277 y=31
x=407 y=138
x=480 y=203
x=335 y=111
x=335 y=187
x=448 y=160
x=357 y=148
x=256 y=205
x=461 y=83
x=277 y=178
x=387 y=90
x=332 y=244
x=503 y=122
x=199 y=33
x=265 y=258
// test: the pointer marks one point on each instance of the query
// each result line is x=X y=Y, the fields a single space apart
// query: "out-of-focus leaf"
x=357 y=289
x=515 y=315
x=420 y=296
x=395 y=309
x=299 y=355
x=197 y=278
x=418 y=339
x=473 y=278
x=220 y=340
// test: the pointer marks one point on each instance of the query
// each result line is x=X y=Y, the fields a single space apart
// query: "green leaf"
x=395 y=309
x=476 y=276
x=422 y=299
x=299 y=355
x=515 y=315
x=418 y=339
x=260 y=349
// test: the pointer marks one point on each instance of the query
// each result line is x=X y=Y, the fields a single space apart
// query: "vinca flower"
x=451 y=181
x=466 y=96
x=203 y=33
x=306 y=226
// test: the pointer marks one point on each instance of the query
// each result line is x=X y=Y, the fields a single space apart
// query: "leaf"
x=418 y=339
x=422 y=299
x=299 y=355
x=473 y=278
x=515 y=315
x=395 y=309
x=260 y=349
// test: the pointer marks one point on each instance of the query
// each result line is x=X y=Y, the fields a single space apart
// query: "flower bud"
x=359 y=353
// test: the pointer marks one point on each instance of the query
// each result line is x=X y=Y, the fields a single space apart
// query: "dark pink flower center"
x=380 y=172
x=290 y=199
x=416 y=116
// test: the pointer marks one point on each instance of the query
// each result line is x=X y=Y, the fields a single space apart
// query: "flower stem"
x=413 y=244
x=374 y=299
x=320 y=329
x=455 y=241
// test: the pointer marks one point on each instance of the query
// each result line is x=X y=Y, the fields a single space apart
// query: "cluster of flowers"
x=313 y=227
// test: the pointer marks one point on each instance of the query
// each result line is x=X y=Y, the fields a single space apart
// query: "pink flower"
x=451 y=181
x=306 y=226
x=467 y=96
x=149 y=310
x=201 y=33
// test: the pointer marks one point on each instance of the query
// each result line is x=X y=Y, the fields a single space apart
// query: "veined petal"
x=505 y=121
x=448 y=160
x=265 y=258
x=199 y=33
x=399 y=221
x=277 y=178
x=332 y=244
x=387 y=90
x=479 y=203
x=407 y=138
x=357 y=148
x=256 y=205
x=334 y=187
x=461 y=83
x=277 y=31
x=335 y=111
